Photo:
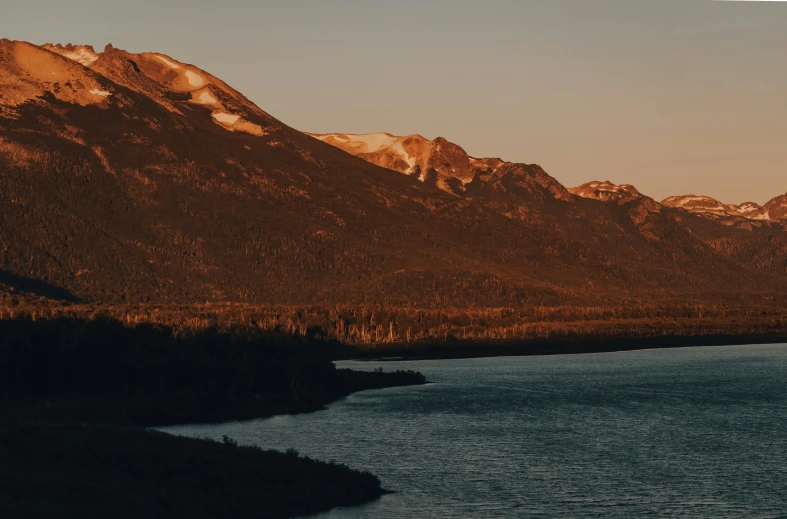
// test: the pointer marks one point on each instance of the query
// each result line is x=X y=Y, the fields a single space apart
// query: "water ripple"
x=696 y=432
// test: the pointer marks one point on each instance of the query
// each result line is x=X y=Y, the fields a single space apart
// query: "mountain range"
x=446 y=165
x=137 y=178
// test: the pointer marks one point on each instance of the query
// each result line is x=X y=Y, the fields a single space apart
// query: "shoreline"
x=96 y=470
x=472 y=349
x=50 y=455
x=79 y=400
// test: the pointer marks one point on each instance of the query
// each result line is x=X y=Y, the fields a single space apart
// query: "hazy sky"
x=674 y=96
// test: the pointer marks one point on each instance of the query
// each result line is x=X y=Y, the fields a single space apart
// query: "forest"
x=351 y=329
x=76 y=396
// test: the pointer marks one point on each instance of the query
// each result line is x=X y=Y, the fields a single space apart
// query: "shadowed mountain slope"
x=139 y=178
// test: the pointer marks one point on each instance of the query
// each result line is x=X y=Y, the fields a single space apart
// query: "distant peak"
x=605 y=191
x=709 y=206
x=438 y=161
x=83 y=54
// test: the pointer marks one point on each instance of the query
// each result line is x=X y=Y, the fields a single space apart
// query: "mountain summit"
x=437 y=161
x=606 y=191
x=445 y=165
x=166 y=80
x=774 y=210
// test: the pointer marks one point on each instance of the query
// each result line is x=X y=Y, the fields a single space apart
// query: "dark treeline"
x=102 y=370
x=73 y=393
x=89 y=471
x=362 y=328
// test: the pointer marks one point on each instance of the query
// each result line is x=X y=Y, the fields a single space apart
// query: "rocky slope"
x=137 y=178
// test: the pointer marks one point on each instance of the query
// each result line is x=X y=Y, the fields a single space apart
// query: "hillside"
x=135 y=178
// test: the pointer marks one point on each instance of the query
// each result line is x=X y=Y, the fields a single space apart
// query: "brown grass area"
x=20 y=155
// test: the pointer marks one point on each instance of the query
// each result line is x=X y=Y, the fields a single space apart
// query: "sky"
x=673 y=96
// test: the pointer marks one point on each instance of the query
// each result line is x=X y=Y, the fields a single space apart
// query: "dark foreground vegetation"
x=76 y=394
x=103 y=371
x=90 y=471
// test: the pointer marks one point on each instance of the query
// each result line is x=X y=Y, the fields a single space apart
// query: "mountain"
x=776 y=209
x=730 y=214
x=137 y=178
x=165 y=81
x=436 y=162
x=705 y=205
x=605 y=191
x=762 y=249
x=747 y=233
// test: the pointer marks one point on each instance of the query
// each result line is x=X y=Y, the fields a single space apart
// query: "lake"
x=689 y=432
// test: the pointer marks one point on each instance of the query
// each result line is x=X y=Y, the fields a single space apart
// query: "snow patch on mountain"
x=206 y=98
x=82 y=55
x=685 y=200
x=710 y=207
x=192 y=77
x=169 y=63
x=605 y=191
x=226 y=118
x=409 y=159
x=749 y=207
x=412 y=154
x=700 y=204
x=382 y=143
x=373 y=141
x=102 y=93
x=195 y=79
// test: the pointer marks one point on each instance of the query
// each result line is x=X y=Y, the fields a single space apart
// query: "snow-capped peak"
x=364 y=142
x=709 y=206
x=605 y=191
x=399 y=153
x=91 y=77
x=441 y=161
x=83 y=54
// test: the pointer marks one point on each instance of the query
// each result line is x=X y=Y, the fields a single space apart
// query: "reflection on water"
x=695 y=432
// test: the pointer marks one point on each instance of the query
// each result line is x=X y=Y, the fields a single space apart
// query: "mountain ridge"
x=695 y=204
x=143 y=195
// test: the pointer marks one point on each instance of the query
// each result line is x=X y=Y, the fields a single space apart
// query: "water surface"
x=691 y=432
